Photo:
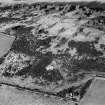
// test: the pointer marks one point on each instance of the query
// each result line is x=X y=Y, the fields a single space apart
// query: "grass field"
x=13 y=96
x=96 y=93
x=5 y=43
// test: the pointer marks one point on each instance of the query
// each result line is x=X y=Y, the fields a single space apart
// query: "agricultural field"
x=95 y=95
x=5 y=44
x=52 y=48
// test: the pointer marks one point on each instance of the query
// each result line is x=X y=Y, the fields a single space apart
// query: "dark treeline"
x=95 y=5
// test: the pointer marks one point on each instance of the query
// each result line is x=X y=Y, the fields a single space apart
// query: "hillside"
x=58 y=47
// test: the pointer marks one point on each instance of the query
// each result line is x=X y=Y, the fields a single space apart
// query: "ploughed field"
x=56 y=48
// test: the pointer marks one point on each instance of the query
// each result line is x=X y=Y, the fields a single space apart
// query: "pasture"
x=5 y=43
